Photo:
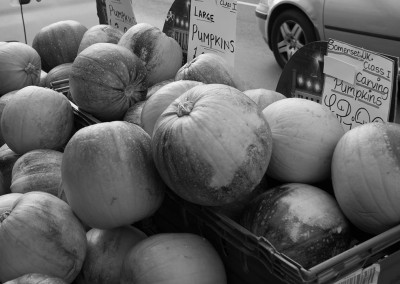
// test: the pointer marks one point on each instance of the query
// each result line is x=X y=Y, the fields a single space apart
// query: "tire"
x=290 y=31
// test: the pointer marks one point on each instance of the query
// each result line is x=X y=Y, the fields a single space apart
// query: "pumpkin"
x=212 y=145
x=3 y=101
x=7 y=200
x=304 y=135
x=58 y=73
x=58 y=43
x=100 y=33
x=42 y=82
x=134 y=113
x=366 y=176
x=106 y=79
x=161 y=99
x=162 y=55
x=41 y=234
x=210 y=68
x=108 y=175
x=36 y=278
x=37 y=118
x=7 y=160
x=173 y=258
x=156 y=87
x=37 y=170
x=301 y=221
x=263 y=97
x=106 y=251
x=20 y=66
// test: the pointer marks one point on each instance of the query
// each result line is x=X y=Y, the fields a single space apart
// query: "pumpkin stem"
x=4 y=215
x=30 y=68
x=184 y=108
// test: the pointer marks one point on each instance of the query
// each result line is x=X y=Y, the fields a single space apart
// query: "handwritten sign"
x=358 y=85
x=120 y=14
x=213 y=28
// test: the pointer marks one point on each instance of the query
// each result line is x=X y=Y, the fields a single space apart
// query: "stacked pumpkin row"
x=196 y=130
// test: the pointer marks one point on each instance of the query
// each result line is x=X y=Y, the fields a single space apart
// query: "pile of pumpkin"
x=70 y=197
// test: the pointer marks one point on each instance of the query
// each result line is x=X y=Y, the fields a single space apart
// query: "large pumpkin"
x=37 y=118
x=210 y=68
x=161 y=99
x=20 y=66
x=134 y=113
x=4 y=99
x=100 y=33
x=366 y=176
x=37 y=170
x=108 y=175
x=263 y=97
x=106 y=79
x=161 y=54
x=106 y=251
x=173 y=258
x=301 y=221
x=7 y=160
x=212 y=145
x=305 y=134
x=41 y=234
x=58 y=43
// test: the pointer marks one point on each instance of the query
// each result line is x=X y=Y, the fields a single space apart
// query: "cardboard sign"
x=344 y=83
x=120 y=14
x=213 y=28
x=358 y=84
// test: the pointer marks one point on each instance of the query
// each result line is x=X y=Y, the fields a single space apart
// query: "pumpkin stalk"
x=4 y=215
x=184 y=108
x=30 y=68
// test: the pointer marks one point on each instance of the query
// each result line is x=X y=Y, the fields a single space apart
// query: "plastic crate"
x=253 y=260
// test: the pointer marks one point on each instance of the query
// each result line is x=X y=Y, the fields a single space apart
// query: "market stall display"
x=187 y=175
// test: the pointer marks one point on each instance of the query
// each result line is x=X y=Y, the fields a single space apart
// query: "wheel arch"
x=285 y=7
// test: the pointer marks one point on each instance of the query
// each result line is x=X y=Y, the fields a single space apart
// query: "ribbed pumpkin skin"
x=100 y=33
x=161 y=54
x=210 y=68
x=20 y=66
x=173 y=258
x=134 y=113
x=108 y=175
x=41 y=234
x=37 y=118
x=366 y=176
x=263 y=97
x=36 y=278
x=7 y=160
x=218 y=152
x=4 y=99
x=106 y=79
x=161 y=99
x=7 y=200
x=106 y=252
x=58 y=43
x=37 y=170
x=305 y=134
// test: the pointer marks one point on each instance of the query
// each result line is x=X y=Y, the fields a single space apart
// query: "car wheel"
x=291 y=30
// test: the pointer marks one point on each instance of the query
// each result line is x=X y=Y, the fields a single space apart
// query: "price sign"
x=213 y=28
x=359 y=84
x=120 y=14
